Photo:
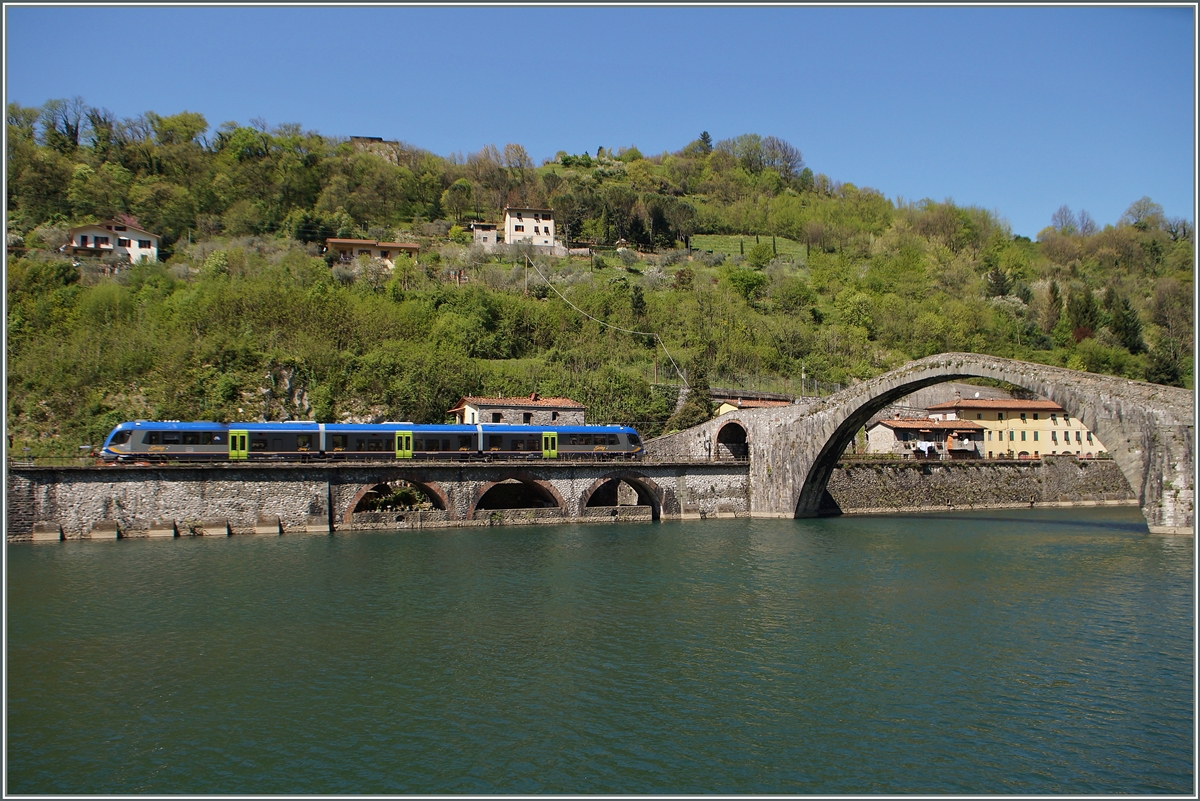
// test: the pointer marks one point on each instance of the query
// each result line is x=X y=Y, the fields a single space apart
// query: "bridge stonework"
x=1148 y=429
x=235 y=498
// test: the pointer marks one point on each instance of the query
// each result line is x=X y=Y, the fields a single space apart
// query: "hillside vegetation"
x=788 y=274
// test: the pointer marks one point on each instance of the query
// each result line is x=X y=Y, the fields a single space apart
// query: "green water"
x=1046 y=651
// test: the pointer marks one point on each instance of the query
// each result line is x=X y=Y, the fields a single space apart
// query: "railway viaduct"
x=1149 y=430
x=793 y=450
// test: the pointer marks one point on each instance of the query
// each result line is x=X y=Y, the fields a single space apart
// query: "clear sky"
x=1016 y=109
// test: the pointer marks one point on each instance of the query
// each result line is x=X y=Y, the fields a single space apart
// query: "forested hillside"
x=799 y=275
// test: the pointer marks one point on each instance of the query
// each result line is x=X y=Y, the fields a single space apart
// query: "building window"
x=1066 y=418
x=1054 y=436
x=989 y=435
x=999 y=415
x=518 y=228
x=1077 y=437
x=535 y=230
x=554 y=416
x=1022 y=436
x=1035 y=436
x=1022 y=417
x=385 y=254
x=122 y=242
x=495 y=417
x=979 y=415
x=1089 y=437
x=119 y=228
x=83 y=241
x=102 y=241
x=1054 y=418
x=526 y=417
x=1012 y=435
x=1035 y=415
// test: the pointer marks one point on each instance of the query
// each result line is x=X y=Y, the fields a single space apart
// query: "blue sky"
x=1019 y=109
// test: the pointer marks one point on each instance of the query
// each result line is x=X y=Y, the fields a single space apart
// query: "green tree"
x=760 y=255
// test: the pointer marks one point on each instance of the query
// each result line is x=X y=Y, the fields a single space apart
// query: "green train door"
x=550 y=445
x=237 y=444
x=404 y=444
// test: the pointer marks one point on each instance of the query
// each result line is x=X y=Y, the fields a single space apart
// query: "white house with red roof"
x=112 y=238
x=532 y=410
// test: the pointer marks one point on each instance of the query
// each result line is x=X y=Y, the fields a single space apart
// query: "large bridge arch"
x=1148 y=429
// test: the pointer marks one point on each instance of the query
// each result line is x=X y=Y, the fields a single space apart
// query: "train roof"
x=310 y=425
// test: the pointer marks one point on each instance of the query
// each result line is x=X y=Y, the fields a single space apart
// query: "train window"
x=612 y=439
x=518 y=445
x=633 y=440
x=170 y=437
x=418 y=444
x=121 y=437
x=431 y=444
x=464 y=442
x=191 y=437
x=532 y=444
x=339 y=442
x=445 y=444
x=303 y=442
x=209 y=438
x=574 y=439
x=495 y=442
x=359 y=445
x=585 y=439
x=375 y=445
x=258 y=444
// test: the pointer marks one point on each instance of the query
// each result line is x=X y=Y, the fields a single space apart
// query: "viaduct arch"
x=1148 y=429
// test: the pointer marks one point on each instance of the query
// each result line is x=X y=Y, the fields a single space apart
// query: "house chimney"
x=533 y=396
x=895 y=415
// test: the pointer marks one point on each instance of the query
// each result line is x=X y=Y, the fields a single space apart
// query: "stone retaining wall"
x=877 y=487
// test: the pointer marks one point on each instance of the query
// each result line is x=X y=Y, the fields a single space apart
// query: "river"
x=1027 y=651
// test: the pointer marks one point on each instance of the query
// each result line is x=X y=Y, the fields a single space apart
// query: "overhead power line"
x=678 y=372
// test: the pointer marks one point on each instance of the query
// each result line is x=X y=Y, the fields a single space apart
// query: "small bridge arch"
x=530 y=486
x=432 y=489
x=648 y=492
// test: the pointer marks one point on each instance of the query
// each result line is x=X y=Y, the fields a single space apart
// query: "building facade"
x=112 y=238
x=348 y=250
x=533 y=410
x=535 y=226
x=1022 y=429
x=926 y=438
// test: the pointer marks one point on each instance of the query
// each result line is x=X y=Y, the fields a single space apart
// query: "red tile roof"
x=997 y=403
x=754 y=404
x=928 y=424
x=532 y=401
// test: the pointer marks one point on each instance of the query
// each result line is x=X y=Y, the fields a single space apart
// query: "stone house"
x=531 y=411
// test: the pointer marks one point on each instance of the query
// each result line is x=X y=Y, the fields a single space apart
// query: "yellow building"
x=1022 y=429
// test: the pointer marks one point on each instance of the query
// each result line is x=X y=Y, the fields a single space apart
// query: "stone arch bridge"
x=1149 y=430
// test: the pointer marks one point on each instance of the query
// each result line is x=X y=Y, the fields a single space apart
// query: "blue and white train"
x=149 y=441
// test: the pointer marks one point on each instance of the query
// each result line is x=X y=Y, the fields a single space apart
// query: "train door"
x=404 y=443
x=550 y=445
x=237 y=444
